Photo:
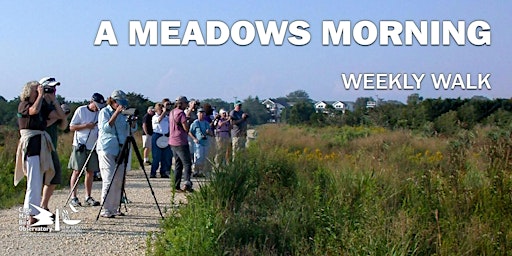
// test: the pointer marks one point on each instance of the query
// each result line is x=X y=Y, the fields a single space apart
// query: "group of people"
x=212 y=137
x=184 y=131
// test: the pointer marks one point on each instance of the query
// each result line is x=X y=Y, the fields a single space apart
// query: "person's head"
x=49 y=85
x=238 y=105
x=117 y=98
x=159 y=107
x=181 y=102
x=65 y=107
x=97 y=102
x=223 y=113
x=193 y=104
x=201 y=114
x=151 y=110
x=29 y=91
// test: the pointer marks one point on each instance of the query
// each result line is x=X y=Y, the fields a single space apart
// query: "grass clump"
x=387 y=192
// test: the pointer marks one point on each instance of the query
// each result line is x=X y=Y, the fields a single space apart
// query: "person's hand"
x=40 y=90
x=119 y=108
x=245 y=116
x=90 y=125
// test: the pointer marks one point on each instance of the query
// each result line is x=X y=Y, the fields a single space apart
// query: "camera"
x=48 y=89
x=81 y=147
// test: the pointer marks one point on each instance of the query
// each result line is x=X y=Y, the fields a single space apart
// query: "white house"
x=275 y=108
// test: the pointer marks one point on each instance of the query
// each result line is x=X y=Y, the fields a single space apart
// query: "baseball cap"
x=98 y=100
x=200 y=110
x=151 y=108
x=182 y=99
x=222 y=111
x=238 y=103
x=120 y=97
x=48 y=81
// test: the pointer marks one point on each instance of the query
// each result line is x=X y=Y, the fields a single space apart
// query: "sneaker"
x=164 y=176
x=91 y=202
x=107 y=214
x=119 y=213
x=152 y=176
x=75 y=202
x=148 y=162
x=188 y=189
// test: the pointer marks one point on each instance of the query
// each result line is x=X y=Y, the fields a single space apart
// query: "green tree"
x=299 y=113
x=298 y=96
x=258 y=114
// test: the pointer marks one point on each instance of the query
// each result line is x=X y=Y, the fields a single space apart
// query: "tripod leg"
x=141 y=163
x=80 y=175
x=121 y=158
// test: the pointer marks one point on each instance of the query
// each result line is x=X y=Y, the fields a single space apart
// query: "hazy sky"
x=56 y=38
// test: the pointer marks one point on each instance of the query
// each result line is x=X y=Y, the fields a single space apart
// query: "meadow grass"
x=352 y=191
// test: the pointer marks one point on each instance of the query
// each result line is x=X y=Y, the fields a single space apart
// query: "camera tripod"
x=123 y=158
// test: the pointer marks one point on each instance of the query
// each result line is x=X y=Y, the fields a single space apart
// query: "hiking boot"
x=75 y=202
x=91 y=202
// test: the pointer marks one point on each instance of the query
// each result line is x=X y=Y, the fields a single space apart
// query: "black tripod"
x=123 y=158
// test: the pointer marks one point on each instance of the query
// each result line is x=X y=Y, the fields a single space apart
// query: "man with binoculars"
x=85 y=125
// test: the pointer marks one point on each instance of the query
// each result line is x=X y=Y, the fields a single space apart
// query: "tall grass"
x=304 y=191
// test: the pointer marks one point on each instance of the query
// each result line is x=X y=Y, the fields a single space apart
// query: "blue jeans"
x=182 y=162
x=161 y=157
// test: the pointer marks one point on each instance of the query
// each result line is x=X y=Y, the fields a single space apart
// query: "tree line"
x=432 y=116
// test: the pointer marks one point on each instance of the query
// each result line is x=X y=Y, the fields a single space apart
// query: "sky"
x=56 y=38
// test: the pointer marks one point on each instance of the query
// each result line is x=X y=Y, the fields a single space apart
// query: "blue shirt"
x=198 y=129
x=110 y=138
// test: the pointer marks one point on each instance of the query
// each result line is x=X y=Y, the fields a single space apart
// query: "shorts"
x=58 y=171
x=146 y=141
x=77 y=160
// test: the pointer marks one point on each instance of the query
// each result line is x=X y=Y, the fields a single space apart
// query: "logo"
x=46 y=219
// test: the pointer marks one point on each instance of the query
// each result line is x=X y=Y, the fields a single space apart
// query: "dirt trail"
x=124 y=235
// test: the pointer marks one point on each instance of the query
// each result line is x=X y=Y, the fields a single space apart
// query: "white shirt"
x=161 y=127
x=83 y=115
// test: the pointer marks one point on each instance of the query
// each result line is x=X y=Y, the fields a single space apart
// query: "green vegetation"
x=352 y=191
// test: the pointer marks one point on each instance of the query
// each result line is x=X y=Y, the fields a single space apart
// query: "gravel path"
x=123 y=235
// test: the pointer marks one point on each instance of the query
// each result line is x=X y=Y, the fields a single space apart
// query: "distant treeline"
x=432 y=116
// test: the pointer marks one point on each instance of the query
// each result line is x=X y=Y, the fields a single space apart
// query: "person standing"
x=60 y=120
x=147 y=132
x=113 y=131
x=178 y=139
x=85 y=125
x=33 y=157
x=222 y=137
x=238 y=128
x=199 y=132
x=161 y=153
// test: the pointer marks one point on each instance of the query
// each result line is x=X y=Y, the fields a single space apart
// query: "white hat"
x=162 y=141
x=50 y=81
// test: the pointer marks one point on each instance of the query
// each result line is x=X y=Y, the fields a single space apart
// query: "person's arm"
x=114 y=116
x=36 y=107
x=191 y=134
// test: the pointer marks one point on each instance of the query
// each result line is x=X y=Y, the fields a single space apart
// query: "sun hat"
x=120 y=97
